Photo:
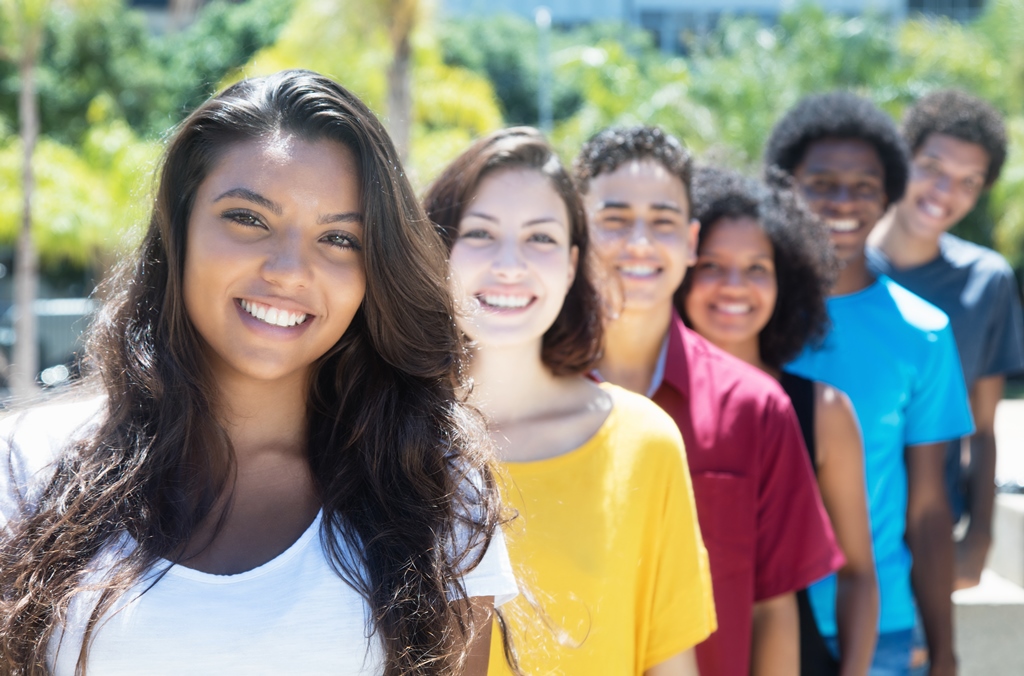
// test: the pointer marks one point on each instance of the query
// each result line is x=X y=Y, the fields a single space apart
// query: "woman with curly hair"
x=607 y=537
x=758 y=291
x=267 y=469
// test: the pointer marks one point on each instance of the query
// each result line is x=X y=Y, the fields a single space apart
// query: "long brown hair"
x=400 y=465
x=573 y=343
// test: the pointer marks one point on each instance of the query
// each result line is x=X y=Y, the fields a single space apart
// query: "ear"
x=693 y=232
x=574 y=261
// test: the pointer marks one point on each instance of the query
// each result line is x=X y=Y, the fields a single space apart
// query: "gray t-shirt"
x=976 y=288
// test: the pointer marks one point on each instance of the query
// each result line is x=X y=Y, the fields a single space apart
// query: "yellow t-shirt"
x=608 y=546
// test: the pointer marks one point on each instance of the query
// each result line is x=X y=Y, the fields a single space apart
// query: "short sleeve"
x=795 y=542
x=939 y=409
x=1003 y=348
x=493 y=575
x=683 y=605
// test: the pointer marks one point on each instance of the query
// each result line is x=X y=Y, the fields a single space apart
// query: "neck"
x=264 y=415
x=750 y=352
x=853 y=276
x=904 y=247
x=511 y=383
x=632 y=344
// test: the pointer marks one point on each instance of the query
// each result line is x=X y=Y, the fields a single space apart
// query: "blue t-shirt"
x=976 y=288
x=894 y=355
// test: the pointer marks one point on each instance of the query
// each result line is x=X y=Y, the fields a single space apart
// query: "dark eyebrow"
x=486 y=217
x=825 y=169
x=611 y=204
x=541 y=221
x=254 y=197
x=666 y=206
x=347 y=217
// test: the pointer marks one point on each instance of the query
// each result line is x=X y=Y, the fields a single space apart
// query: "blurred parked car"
x=61 y=322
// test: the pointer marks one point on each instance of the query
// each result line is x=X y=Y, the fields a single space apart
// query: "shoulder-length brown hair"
x=400 y=465
x=573 y=343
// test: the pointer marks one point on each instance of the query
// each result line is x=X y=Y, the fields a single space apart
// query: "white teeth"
x=733 y=308
x=933 y=210
x=842 y=225
x=272 y=315
x=502 y=300
x=639 y=270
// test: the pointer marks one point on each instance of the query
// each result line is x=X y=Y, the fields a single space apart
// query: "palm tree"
x=24 y=21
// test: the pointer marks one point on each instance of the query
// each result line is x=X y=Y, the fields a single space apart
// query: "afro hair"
x=804 y=265
x=958 y=114
x=840 y=115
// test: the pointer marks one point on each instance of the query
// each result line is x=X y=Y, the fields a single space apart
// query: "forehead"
x=639 y=182
x=841 y=156
x=955 y=151
x=738 y=234
x=509 y=187
x=285 y=160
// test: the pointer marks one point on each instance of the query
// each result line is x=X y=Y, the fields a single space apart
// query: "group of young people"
x=628 y=417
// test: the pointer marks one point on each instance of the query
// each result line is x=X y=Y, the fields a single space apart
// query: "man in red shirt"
x=760 y=513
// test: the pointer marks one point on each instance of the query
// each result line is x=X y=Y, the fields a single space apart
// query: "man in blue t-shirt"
x=959 y=145
x=895 y=357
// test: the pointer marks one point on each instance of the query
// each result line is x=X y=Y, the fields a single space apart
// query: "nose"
x=733 y=278
x=508 y=265
x=639 y=236
x=287 y=263
x=944 y=184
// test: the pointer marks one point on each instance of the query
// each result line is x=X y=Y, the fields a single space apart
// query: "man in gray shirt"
x=959 y=145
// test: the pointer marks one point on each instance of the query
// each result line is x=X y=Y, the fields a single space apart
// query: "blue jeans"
x=892 y=653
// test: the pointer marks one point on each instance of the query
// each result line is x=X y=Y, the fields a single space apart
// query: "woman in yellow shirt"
x=606 y=541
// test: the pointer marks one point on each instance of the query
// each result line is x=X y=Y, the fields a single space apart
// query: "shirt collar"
x=677 y=355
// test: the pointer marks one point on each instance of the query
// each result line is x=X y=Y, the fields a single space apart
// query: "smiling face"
x=641 y=229
x=947 y=176
x=843 y=181
x=733 y=287
x=513 y=261
x=273 y=262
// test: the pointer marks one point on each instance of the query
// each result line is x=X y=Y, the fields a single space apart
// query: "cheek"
x=464 y=267
x=699 y=296
x=606 y=246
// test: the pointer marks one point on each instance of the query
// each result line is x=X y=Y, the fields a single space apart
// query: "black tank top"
x=815 y=658
x=801 y=393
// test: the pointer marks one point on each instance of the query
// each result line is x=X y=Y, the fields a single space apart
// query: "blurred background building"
x=672 y=21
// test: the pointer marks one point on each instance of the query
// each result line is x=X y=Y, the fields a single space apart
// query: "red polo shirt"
x=761 y=516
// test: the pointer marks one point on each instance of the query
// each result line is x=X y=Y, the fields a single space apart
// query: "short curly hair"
x=572 y=345
x=839 y=115
x=956 y=113
x=804 y=265
x=609 y=149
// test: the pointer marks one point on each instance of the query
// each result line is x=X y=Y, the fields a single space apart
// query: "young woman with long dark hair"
x=758 y=289
x=607 y=536
x=275 y=474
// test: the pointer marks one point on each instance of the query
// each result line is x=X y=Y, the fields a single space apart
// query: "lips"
x=505 y=301
x=843 y=224
x=639 y=270
x=733 y=308
x=932 y=210
x=274 y=316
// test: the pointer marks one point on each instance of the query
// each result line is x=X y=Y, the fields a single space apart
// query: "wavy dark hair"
x=573 y=343
x=839 y=115
x=804 y=266
x=391 y=447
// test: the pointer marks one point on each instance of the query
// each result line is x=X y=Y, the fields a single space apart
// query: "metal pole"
x=542 y=16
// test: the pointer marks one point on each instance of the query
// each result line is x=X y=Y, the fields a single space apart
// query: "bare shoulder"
x=831 y=405
x=835 y=421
